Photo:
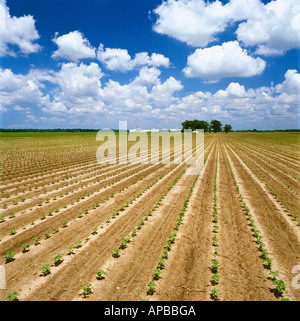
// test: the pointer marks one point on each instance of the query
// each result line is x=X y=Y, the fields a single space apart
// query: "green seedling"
x=140 y=224
x=58 y=259
x=13 y=296
x=216 y=228
x=215 y=293
x=134 y=232
x=86 y=290
x=215 y=240
x=279 y=287
x=268 y=263
x=78 y=243
x=169 y=244
x=273 y=275
x=46 y=269
x=123 y=244
x=165 y=253
x=47 y=234
x=215 y=279
x=214 y=266
x=12 y=214
x=25 y=247
x=151 y=287
x=100 y=274
x=12 y=231
x=9 y=256
x=95 y=230
x=116 y=253
x=156 y=274
x=172 y=237
x=161 y=263
x=71 y=250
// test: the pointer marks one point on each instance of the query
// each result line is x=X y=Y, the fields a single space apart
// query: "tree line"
x=214 y=125
x=188 y=124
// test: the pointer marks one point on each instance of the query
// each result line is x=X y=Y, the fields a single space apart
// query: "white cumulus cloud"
x=217 y=62
x=275 y=30
x=17 y=31
x=16 y=89
x=162 y=93
x=73 y=47
x=117 y=59
x=147 y=76
x=291 y=83
x=271 y=28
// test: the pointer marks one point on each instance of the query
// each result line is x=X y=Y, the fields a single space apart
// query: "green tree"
x=227 y=128
x=202 y=124
x=216 y=125
x=195 y=124
x=187 y=124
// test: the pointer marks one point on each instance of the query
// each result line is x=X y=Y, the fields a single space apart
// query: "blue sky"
x=154 y=63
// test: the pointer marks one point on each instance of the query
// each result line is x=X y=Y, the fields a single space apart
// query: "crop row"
x=118 y=210
x=268 y=164
x=65 y=188
x=67 y=178
x=269 y=155
x=258 y=238
x=83 y=209
x=151 y=287
x=215 y=264
x=272 y=191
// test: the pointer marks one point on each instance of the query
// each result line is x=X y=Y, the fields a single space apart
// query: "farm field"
x=74 y=229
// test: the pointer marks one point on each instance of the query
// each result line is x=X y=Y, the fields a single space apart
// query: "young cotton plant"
x=13 y=296
x=151 y=287
x=71 y=250
x=116 y=253
x=25 y=247
x=9 y=256
x=215 y=293
x=215 y=279
x=100 y=274
x=46 y=269
x=279 y=288
x=156 y=274
x=86 y=290
x=58 y=259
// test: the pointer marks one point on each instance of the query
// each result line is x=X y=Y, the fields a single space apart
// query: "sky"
x=152 y=63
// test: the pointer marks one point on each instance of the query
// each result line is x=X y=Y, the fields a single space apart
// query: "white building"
x=136 y=130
